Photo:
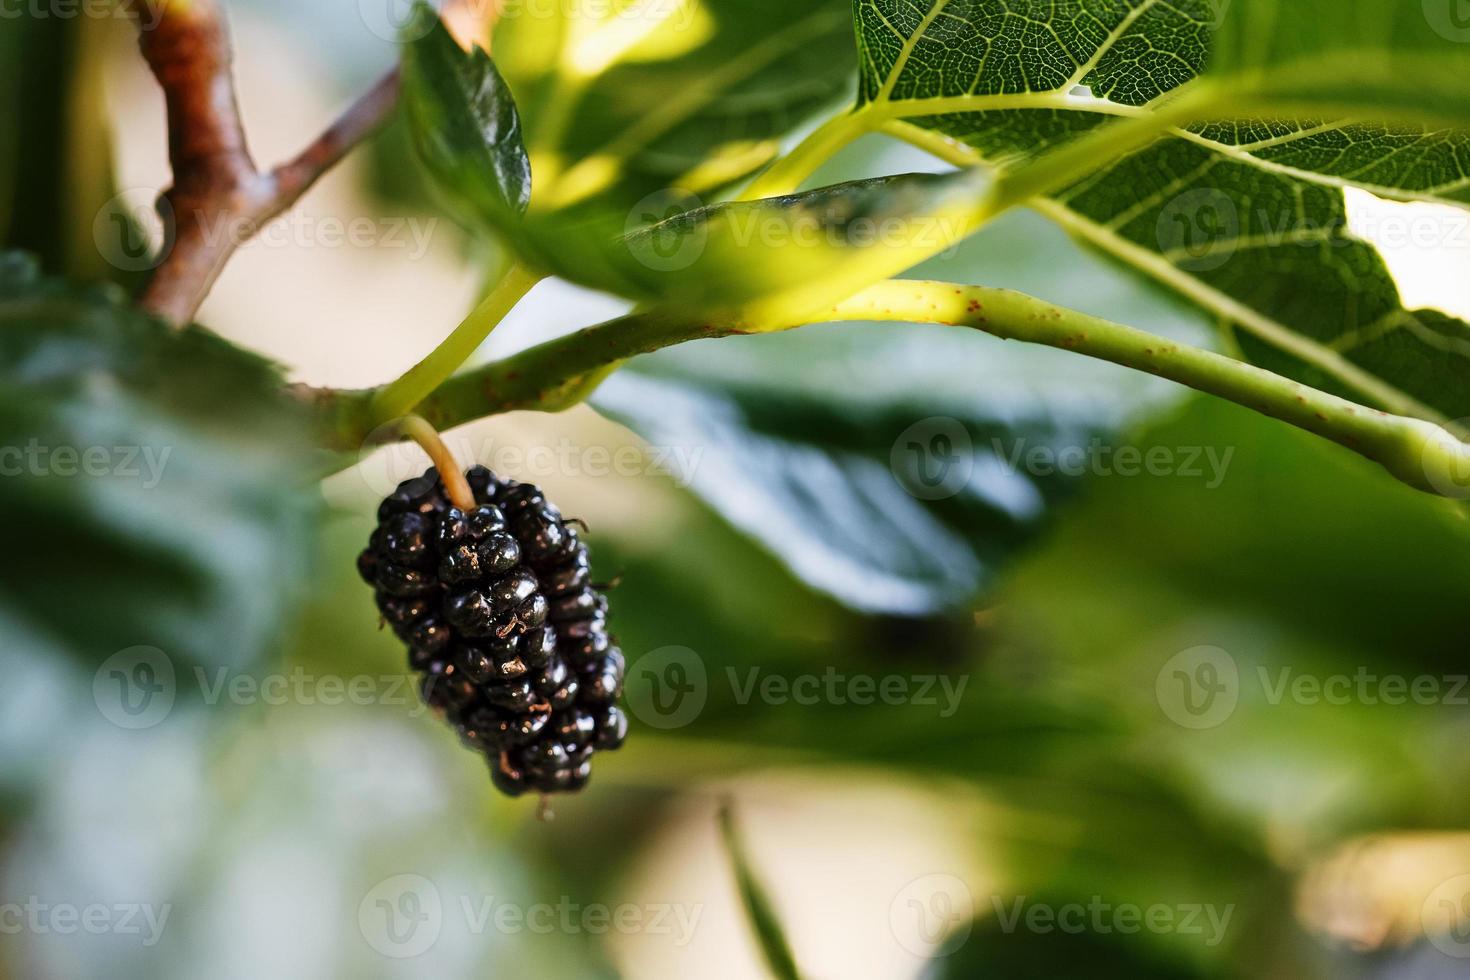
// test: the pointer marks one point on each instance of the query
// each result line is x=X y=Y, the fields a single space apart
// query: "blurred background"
x=1010 y=664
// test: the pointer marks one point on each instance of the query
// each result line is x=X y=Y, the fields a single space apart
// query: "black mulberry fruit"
x=511 y=640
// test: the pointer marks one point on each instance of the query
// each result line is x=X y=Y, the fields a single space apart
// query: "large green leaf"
x=1243 y=219
x=155 y=490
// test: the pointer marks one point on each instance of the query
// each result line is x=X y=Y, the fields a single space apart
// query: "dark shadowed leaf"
x=155 y=491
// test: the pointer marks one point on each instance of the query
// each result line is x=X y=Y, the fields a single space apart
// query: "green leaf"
x=154 y=488
x=627 y=99
x=764 y=921
x=1243 y=219
x=828 y=444
x=464 y=124
x=1013 y=83
x=1270 y=258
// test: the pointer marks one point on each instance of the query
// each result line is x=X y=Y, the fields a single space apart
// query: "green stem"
x=560 y=373
x=786 y=174
x=1419 y=453
x=400 y=397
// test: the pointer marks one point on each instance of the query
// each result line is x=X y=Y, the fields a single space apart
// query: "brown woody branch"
x=219 y=197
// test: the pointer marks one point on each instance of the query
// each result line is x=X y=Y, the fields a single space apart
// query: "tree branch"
x=219 y=199
x=560 y=373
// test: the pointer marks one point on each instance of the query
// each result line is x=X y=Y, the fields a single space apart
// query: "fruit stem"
x=455 y=485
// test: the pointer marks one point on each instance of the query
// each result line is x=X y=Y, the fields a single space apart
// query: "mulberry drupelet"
x=500 y=618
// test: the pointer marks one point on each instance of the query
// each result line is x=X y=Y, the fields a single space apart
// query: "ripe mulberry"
x=501 y=619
